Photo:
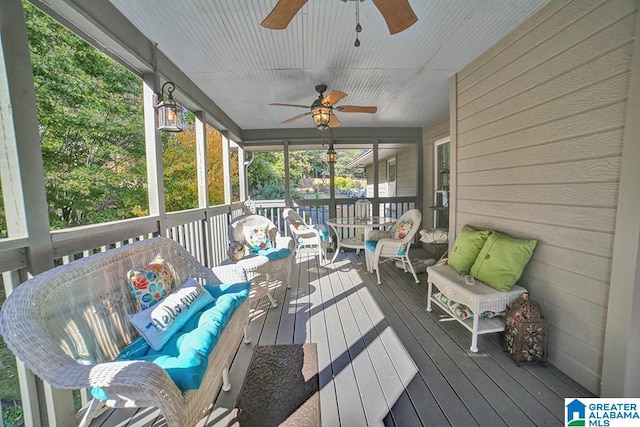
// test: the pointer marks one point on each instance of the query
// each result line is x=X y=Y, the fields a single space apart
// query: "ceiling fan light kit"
x=321 y=117
x=322 y=109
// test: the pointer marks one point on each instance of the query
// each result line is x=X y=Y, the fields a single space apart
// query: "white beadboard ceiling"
x=242 y=67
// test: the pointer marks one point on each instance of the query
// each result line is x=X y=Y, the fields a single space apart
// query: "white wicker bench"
x=68 y=324
x=479 y=298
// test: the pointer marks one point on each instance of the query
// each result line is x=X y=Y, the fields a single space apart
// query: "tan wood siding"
x=407 y=172
x=540 y=120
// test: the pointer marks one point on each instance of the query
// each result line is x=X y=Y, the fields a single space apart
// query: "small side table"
x=254 y=266
x=357 y=243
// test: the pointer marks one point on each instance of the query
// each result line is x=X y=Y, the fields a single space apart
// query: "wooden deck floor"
x=384 y=360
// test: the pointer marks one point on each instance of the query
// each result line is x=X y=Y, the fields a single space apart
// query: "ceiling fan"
x=322 y=109
x=397 y=13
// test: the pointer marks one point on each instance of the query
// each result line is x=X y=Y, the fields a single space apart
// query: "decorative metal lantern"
x=169 y=112
x=525 y=333
x=363 y=207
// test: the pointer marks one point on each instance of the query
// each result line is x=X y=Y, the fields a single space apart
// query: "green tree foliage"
x=180 y=170
x=91 y=127
x=266 y=175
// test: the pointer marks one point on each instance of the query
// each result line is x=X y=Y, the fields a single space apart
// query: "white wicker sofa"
x=68 y=324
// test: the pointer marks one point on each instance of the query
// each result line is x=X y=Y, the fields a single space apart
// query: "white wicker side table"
x=255 y=266
x=479 y=298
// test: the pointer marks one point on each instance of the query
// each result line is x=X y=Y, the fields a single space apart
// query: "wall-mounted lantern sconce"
x=169 y=112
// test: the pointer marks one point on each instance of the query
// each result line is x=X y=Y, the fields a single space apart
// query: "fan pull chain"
x=358 y=26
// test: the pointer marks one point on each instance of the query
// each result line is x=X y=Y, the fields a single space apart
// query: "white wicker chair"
x=391 y=248
x=306 y=236
x=256 y=265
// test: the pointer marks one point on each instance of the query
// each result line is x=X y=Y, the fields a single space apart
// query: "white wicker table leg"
x=474 y=333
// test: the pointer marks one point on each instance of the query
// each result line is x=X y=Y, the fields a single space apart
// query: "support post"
x=201 y=159
x=242 y=176
x=153 y=148
x=621 y=358
x=376 y=179
x=287 y=176
x=226 y=167
x=22 y=175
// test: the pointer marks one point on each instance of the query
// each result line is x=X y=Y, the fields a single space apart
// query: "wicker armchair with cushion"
x=73 y=327
x=314 y=237
x=394 y=244
x=266 y=251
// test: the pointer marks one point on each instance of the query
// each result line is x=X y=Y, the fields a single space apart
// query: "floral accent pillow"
x=402 y=230
x=257 y=237
x=152 y=283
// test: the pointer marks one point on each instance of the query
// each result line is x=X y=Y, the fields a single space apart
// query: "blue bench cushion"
x=324 y=235
x=370 y=245
x=274 y=253
x=185 y=356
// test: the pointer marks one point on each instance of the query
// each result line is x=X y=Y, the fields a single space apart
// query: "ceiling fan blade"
x=299 y=116
x=289 y=105
x=334 y=122
x=397 y=13
x=282 y=14
x=333 y=97
x=356 y=109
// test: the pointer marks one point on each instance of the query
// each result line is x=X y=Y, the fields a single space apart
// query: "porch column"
x=153 y=148
x=202 y=168
x=226 y=166
x=332 y=188
x=376 y=180
x=242 y=178
x=201 y=159
x=453 y=158
x=420 y=183
x=287 y=176
x=621 y=357
x=25 y=200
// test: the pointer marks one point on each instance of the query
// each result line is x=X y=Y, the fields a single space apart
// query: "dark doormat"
x=281 y=388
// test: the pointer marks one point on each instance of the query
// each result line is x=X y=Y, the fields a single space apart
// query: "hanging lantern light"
x=169 y=112
x=331 y=154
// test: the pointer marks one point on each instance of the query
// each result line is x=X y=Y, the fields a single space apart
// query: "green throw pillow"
x=502 y=260
x=466 y=248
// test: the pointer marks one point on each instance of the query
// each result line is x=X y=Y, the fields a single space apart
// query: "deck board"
x=357 y=325
x=344 y=377
x=318 y=333
x=383 y=359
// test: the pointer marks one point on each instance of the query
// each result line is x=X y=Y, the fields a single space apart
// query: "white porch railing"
x=203 y=232
x=319 y=211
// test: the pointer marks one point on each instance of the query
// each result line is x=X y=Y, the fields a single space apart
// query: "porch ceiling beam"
x=101 y=24
x=311 y=135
